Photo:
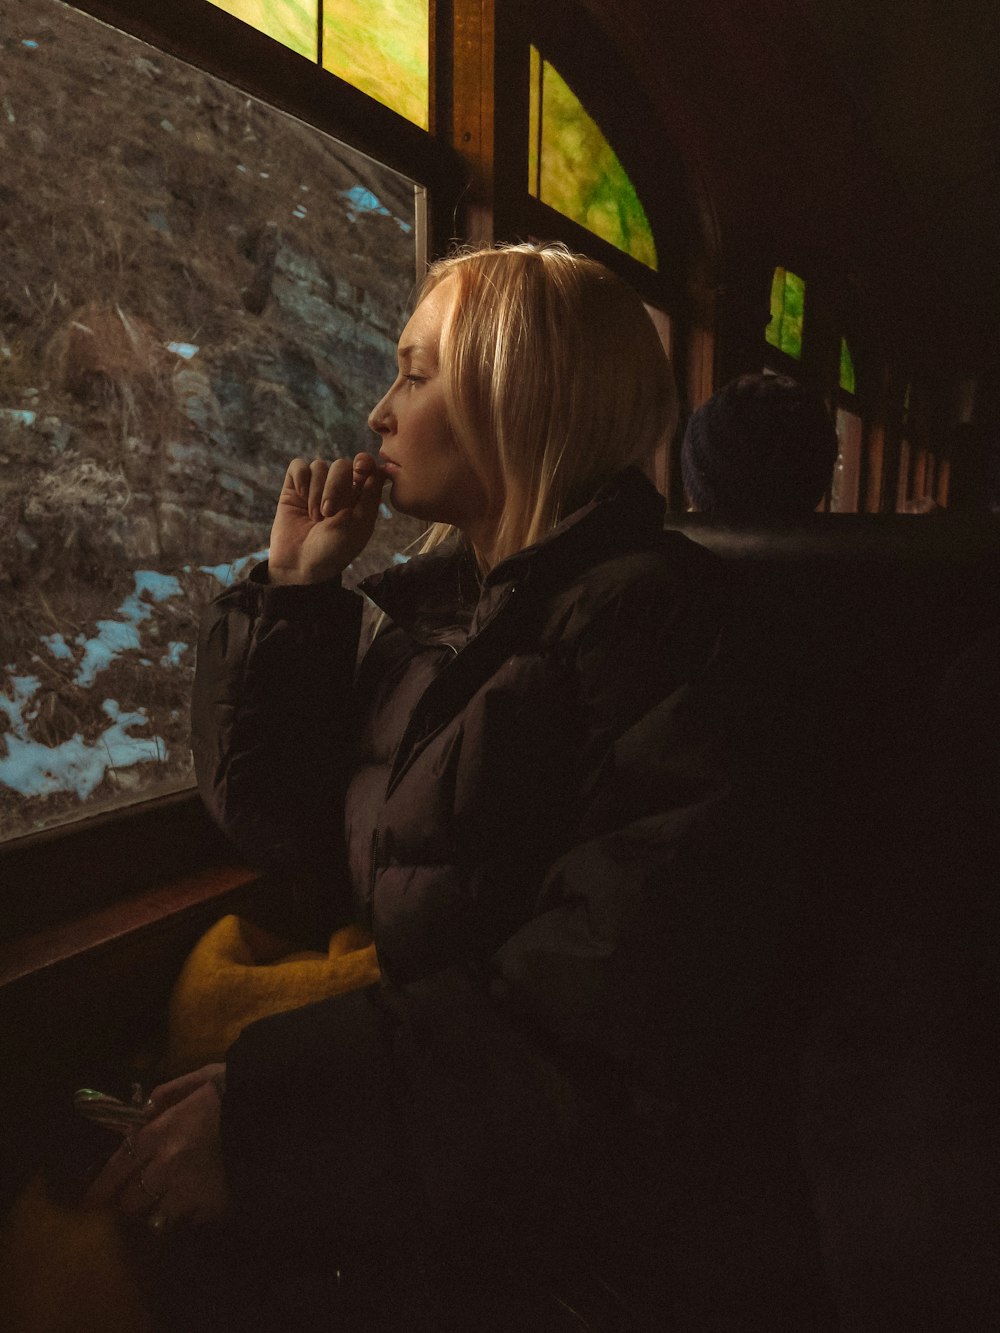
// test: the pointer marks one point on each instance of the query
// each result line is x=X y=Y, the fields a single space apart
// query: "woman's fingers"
x=124 y=1163
x=325 y=517
x=168 y=1094
x=296 y=483
x=172 y=1168
x=141 y=1193
x=369 y=492
x=337 y=490
x=318 y=471
x=324 y=489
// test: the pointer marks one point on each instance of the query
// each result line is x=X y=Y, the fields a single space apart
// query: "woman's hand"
x=325 y=517
x=170 y=1170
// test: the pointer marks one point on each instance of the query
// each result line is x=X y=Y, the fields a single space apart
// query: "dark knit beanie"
x=763 y=447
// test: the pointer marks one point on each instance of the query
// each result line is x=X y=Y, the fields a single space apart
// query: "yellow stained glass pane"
x=788 y=299
x=382 y=47
x=575 y=170
x=294 y=23
x=847 y=380
x=534 y=119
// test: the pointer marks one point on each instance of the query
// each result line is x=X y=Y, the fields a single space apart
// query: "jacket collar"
x=441 y=598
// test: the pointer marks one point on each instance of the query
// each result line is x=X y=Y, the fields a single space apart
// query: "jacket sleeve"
x=271 y=718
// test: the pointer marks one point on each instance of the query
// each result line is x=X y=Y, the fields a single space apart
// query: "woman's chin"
x=408 y=505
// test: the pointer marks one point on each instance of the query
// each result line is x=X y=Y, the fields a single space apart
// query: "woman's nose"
x=379 y=417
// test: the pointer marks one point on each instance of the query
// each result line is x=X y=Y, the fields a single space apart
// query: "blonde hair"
x=556 y=379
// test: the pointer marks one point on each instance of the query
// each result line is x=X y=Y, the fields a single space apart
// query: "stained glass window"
x=573 y=168
x=788 y=298
x=380 y=46
x=847 y=380
x=293 y=23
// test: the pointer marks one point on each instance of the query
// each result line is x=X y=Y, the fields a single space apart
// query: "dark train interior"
x=211 y=225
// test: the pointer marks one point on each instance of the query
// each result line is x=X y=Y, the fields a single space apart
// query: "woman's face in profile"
x=429 y=474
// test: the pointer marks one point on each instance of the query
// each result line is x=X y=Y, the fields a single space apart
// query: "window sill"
x=177 y=906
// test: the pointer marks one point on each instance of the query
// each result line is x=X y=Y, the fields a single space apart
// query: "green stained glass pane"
x=576 y=171
x=847 y=381
x=382 y=47
x=788 y=299
x=534 y=120
x=291 y=22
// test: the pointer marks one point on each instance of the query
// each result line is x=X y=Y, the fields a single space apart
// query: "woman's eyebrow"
x=426 y=350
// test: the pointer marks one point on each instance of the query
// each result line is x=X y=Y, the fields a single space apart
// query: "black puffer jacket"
x=522 y=793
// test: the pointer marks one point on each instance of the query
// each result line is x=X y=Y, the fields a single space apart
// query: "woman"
x=504 y=793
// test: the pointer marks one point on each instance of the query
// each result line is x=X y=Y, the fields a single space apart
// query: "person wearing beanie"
x=762 y=448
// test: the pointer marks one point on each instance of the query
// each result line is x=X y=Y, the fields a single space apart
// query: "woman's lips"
x=388 y=465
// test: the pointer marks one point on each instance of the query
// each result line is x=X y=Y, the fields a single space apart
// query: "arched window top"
x=847 y=377
x=573 y=169
x=380 y=46
x=788 y=299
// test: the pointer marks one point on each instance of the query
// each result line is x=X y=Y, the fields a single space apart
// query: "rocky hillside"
x=193 y=289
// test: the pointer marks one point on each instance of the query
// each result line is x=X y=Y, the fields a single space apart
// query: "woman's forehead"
x=424 y=327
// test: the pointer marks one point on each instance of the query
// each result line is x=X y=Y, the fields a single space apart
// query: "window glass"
x=294 y=23
x=380 y=46
x=847 y=380
x=663 y=458
x=573 y=168
x=221 y=290
x=788 y=299
x=847 y=469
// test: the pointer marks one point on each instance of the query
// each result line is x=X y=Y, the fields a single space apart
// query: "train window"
x=923 y=478
x=380 y=46
x=788 y=298
x=847 y=376
x=664 y=463
x=905 y=459
x=573 y=169
x=221 y=289
x=845 y=485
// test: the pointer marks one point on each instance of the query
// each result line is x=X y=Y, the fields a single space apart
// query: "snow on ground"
x=76 y=765
x=79 y=765
x=117 y=636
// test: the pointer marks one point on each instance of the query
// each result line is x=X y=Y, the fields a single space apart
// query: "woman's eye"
x=415 y=379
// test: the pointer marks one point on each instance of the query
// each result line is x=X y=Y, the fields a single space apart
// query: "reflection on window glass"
x=847 y=469
x=219 y=290
x=381 y=46
x=788 y=299
x=847 y=381
x=294 y=23
x=573 y=168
